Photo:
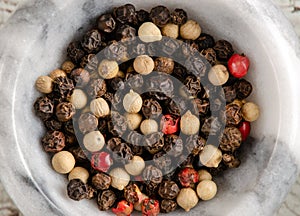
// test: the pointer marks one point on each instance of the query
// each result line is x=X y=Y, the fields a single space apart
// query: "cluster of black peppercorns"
x=102 y=128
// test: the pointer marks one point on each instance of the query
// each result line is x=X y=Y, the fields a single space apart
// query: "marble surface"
x=41 y=29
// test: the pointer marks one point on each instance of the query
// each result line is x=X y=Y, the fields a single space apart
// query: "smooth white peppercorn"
x=63 y=162
x=132 y=102
x=78 y=99
x=210 y=156
x=143 y=64
x=204 y=175
x=108 y=69
x=79 y=173
x=99 y=107
x=149 y=126
x=207 y=189
x=187 y=199
x=119 y=178
x=170 y=30
x=57 y=73
x=189 y=124
x=191 y=30
x=149 y=32
x=218 y=75
x=44 y=84
x=250 y=111
x=135 y=166
x=133 y=120
x=93 y=141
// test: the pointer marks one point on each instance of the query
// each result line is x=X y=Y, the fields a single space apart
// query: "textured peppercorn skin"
x=160 y=15
x=44 y=108
x=53 y=141
x=77 y=190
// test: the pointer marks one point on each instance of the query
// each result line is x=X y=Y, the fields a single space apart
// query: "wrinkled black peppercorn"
x=167 y=206
x=44 y=108
x=164 y=65
x=210 y=55
x=202 y=106
x=243 y=89
x=173 y=145
x=77 y=190
x=96 y=88
x=80 y=76
x=63 y=87
x=160 y=15
x=205 y=41
x=116 y=51
x=75 y=51
x=230 y=93
x=152 y=174
x=125 y=13
x=117 y=124
x=179 y=16
x=211 y=126
x=168 y=190
x=53 y=141
x=162 y=84
x=142 y=16
x=65 y=111
x=91 y=41
x=87 y=122
x=154 y=142
x=134 y=81
x=189 y=48
x=79 y=154
x=125 y=33
x=121 y=151
x=195 y=144
x=176 y=106
x=233 y=114
x=198 y=66
x=224 y=50
x=106 y=199
x=106 y=23
x=231 y=139
x=101 y=181
x=53 y=124
x=151 y=108
x=193 y=85
x=163 y=161
x=130 y=193
x=89 y=62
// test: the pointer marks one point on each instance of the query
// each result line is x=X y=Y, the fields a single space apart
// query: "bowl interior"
x=54 y=24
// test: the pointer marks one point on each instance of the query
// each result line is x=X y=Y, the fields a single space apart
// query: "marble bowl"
x=33 y=42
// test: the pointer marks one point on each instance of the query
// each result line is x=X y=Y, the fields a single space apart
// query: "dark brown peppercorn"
x=70 y=140
x=134 y=81
x=179 y=72
x=168 y=190
x=106 y=23
x=152 y=174
x=87 y=122
x=138 y=49
x=89 y=62
x=162 y=161
x=189 y=48
x=80 y=76
x=106 y=199
x=231 y=139
x=44 y=108
x=176 y=106
x=173 y=145
x=193 y=85
x=91 y=41
x=179 y=16
x=92 y=192
x=130 y=193
x=224 y=50
x=160 y=15
x=69 y=127
x=210 y=55
x=125 y=33
x=116 y=51
x=211 y=126
x=198 y=66
x=231 y=161
x=102 y=125
x=116 y=84
x=151 y=108
x=65 y=111
x=125 y=13
x=233 y=114
x=230 y=93
x=151 y=188
x=75 y=51
x=162 y=84
x=77 y=190
x=202 y=106
x=53 y=124
x=167 y=206
x=53 y=141
x=154 y=142
x=136 y=150
x=169 y=46
x=134 y=138
x=142 y=16
x=205 y=41
x=243 y=89
x=63 y=87
x=101 y=181
x=164 y=65
x=79 y=154
x=117 y=124
x=121 y=151
x=195 y=144
x=97 y=88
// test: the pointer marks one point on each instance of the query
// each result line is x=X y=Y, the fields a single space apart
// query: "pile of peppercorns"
x=103 y=130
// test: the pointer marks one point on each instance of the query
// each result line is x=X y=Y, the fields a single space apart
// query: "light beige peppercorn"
x=93 y=141
x=187 y=199
x=135 y=166
x=143 y=64
x=108 y=69
x=99 y=107
x=170 y=30
x=133 y=120
x=68 y=66
x=57 y=73
x=132 y=102
x=149 y=126
x=207 y=190
x=78 y=99
x=218 y=75
x=149 y=32
x=44 y=84
x=189 y=124
x=191 y=30
x=250 y=111
x=210 y=156
x=79 y=173
x=119 y=178
x=204 y=175
x=63 y=162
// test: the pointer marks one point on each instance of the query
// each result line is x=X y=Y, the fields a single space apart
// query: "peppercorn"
x=195 y=144
x=53 y=124
x=91 y=41
x=150 y=207
x=96 y=88
x=133 y=120
x=108 y=69
x=169 y=124
x=231 y=161
x=106 y=23
x=187 y=199
x=204 y=175
x=148 y=126
x=125 y=33
x=218 y=75
x=189 y=48
x=63 y=87
x=117 y=124
x=162 y=84
x=53 y=141
x=135 y=166
x=87 y=123
x=207 y=189
x=101 y=161
x=93 y=141
x=167 y=206
x=160 y=15
x=230 y=93
x=170 y=30
x=134 y=81
x=188 y=177
x=231 y=139
x=153 y=174
x=210 y=55
x=57 y=73
x=170 y=47
x=79 y=173
x=233 y=114
x=120 y=178
x=80 y=76
x=134 y=138
x=238 y=65
x=197 y=65
x=151 y=188
x=77 y=190
x=120 y=150
x=68 y=66
x=224 y=50
x=132 y=193
x=116 y=84
x=202 y=106
x=65 y=111
x=132 y=102
x=154 y=142
x=99 y=107
x=125 y=13
x=63 y=162
x=138 y=49
x=44 y=84
x=142 y=16
x=101 y=181
x=79 y=154
x=168 y=190
x=78 y=99
x=193 y=85
x=189 y=123
x=250 y=111
x=75 y=51
x=163 y=161
x=44 y=108
x=210 y=156
x=243 y=89
x=89 y=62
x=245 y=128
x=123 y=208
x=179 y=16
x=149 y=32
x=179 y=72
x=190 y=30
x=106 y=199
x=116 y=51
x=211 y=126
x=164 y=65
x=205 y=41
x=173 y=145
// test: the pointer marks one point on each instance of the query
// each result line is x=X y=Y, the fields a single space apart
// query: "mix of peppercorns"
x=146 y=150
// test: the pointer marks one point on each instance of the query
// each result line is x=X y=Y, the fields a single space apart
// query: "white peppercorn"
x=189 y=124
x=99 y=107
x=149 y=32
x=44 y=84
x=93 y=141
x=207 y=189
x=218 y=75
x=108 y=69
x=170 y=30
x=135 y=166
x=143 y=64
x=57 y=73
x=133 y=120
x=119 y=178
x=191 y=30
x=210 y=156
x=204 y=175
x=63 y=162
x=250 y=111
x=149 y=126
x=187 y=199
x=132 y=102
x=79 y=173
x=78 y=99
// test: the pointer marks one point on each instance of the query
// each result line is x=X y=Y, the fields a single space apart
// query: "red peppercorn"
x=245 y=129
x=124 y=208
x=101 y=161
x=188 y=177
x=150 y=207
x=169 y=124
x=238 y=65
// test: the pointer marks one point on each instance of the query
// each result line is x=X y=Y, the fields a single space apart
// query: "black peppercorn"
x=134 y=138
x=179 y=72
x=53 y=124
x=230 y=93
x=162 y=84
x=96 y=88
x=87 y=122
x=151 y=188
x=151 y=108
x=179 y=16
x=75 y=51
x=92 y=192
x=121 y=151
x=224 y=50
x=233 y=114
x=164 y=65
x=152 y=174
x=210 y=55
x=69 y=127
x=202 y=105
x=89 y=62
x=125 y=13
x=106 y=23
x=106 y=199
x=170 y=46
x=163 y=161
x=211 y=126
x=176 y=106
x=44 y=108
x=173 y=145
x=102 y=125
x=101 y=181
x=193 y=85
x=142 y=16
x=116 y=84
x=77 y=190
x=125 y=33
x=65 y=111
x=154 y=142
x=79 y=154
x=197 y=65
x=116 y=51
x=231 y=139
x=189 y=48
x=243 y=89
x=138 y=49
x=160 y=15
x=80 y=76
x=53 y=141
x=168 y=190
x=167 y=206
x=91 y=41
x=130 y=193
x=195 y=144
x=63 y=87
x=117 y=124
x=205 y=41
x=134 y=81
x=230 y=160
